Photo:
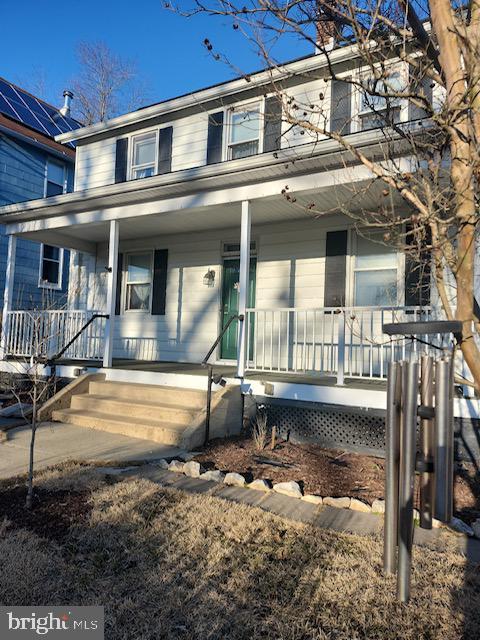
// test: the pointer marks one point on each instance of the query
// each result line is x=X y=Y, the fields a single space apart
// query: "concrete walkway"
x=56 y=442
x=325 y=517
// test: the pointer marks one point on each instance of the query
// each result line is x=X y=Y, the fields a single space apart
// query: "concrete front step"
x=163 y=432
x=145 y=410
x=134 y=392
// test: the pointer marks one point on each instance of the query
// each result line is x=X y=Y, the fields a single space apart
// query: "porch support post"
x=244 y=283
x=8 y=293
x=111 y=292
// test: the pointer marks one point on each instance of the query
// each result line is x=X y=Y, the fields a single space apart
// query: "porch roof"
x=201 y=198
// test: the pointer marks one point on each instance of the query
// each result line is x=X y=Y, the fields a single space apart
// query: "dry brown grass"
x=171 y=565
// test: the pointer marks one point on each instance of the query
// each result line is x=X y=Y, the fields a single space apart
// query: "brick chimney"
x=325 y=31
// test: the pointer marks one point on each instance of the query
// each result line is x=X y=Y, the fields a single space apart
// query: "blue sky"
x=37 y=47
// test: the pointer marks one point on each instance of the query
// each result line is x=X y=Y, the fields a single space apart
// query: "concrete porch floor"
x=229 y=371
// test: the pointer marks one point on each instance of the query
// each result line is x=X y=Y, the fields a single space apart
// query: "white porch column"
x=111 y=292
x=243 y=292
x=8 y=293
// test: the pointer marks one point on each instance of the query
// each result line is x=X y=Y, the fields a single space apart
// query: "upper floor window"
x=138 y=281
x=51 y=267
x=144 y=155
x=244 y=132
x=55 y=182
x=378 y=110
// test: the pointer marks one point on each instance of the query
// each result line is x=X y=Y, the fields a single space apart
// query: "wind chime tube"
x=427 y=443
x=443 y=440
x=392 y=424
x=407 y=475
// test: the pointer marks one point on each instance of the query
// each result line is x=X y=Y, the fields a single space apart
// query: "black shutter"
x=165 y=150
x=417 y=275
x=272 y=128
x=215 y=137
x=335 y=268
x=423 y=86
x=341 y=107
x=118 y=292
x=121 y=155
x=160 y=264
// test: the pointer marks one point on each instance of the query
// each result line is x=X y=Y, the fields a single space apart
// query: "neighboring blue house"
x=33 y=165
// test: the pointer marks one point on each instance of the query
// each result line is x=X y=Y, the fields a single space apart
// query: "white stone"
x=462 y=527
x=339 y=503
x=312 y=499
x=378 y=506
x=163 y=464
x=234 y=479
x=192 y=469
x=436 y=524
x=259 y=485
x=358 y=505
x=476 y=528
x=176 y=465
x=291 y=489
x=214 y=476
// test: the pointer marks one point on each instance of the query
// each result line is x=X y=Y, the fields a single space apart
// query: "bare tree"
x=425 y=56
x=106 y=85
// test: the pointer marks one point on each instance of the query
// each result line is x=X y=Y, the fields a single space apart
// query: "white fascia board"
x=198 y=98
x=139 y=190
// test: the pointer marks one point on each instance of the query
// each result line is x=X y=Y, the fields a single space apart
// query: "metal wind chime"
x=427 y=450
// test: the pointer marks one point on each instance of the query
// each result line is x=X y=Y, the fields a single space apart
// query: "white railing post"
x=341 y=349
x=8 y=294
x=243 y=286
x=111 y=292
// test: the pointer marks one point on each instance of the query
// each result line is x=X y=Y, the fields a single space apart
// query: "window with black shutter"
x=341 y=107
x=121 y=158
x=272 y=127
x=335 y=268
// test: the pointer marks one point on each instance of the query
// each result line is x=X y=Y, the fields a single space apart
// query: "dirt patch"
x=53 y=512
x=326 y=472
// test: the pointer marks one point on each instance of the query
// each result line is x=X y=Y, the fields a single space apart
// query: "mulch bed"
x=325 y=472
x=52 y=513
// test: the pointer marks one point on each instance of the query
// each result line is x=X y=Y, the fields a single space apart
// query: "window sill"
x=52 y=287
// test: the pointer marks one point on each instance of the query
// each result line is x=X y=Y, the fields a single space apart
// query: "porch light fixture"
x=209 y=278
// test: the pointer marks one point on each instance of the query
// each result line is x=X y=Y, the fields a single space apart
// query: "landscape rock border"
x=293 y=490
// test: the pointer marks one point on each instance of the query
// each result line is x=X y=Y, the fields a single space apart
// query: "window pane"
x=55 y=173
x=52 y=253
x=245 y=126
x=144 y=150
x=143 y=173
x=139 y=267
x=138 y=297
x=50 y=272
x=374 y=255
x=376 y=288
x=244 y=150
x=54 y=189
x=382 y=119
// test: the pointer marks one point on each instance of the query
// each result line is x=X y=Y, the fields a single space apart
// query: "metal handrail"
x=59 y=354
x=211 y=377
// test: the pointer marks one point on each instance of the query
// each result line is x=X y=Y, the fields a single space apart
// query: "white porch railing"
x=332 y=341
x=45 y=333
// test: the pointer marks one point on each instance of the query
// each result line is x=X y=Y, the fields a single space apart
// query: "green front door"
x=231 y=278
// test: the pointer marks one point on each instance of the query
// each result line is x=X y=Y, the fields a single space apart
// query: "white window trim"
x=352 y=269
x=125 y=283
x=228 y=127
x=131 y=147
x=45 y=177
x=357 y=97
x=50 y=285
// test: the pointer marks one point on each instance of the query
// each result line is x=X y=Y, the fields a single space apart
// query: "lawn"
x=171 y=565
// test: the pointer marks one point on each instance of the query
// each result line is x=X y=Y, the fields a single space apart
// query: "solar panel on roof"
x=32 y=112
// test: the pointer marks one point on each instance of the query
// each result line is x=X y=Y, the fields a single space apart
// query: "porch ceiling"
x=267 y=210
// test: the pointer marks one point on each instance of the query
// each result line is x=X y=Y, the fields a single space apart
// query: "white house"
x=179 y=221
